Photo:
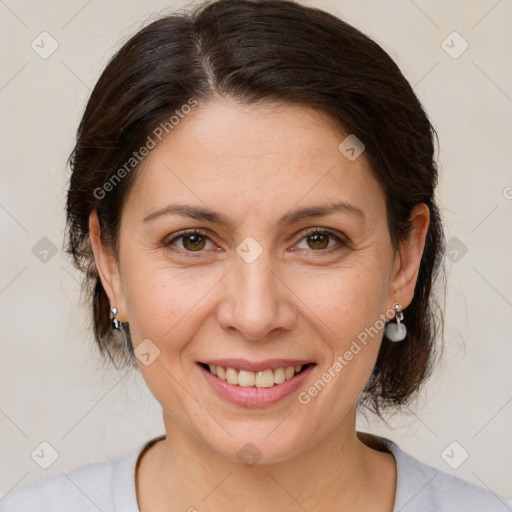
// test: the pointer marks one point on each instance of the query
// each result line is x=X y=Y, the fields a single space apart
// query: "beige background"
x=53 y=387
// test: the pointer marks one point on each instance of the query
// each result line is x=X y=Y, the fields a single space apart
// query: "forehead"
x=264 y=158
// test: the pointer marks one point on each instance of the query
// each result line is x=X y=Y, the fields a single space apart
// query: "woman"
x=252 y=203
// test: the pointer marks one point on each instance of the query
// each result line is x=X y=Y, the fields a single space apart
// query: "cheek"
x=347 y=308
x=162 y=302
x=344 y=301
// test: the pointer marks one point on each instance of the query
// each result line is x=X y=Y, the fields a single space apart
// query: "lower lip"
x=253 y=396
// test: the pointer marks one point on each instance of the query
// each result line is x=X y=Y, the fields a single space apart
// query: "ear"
x=108 y=268
x=407 y=261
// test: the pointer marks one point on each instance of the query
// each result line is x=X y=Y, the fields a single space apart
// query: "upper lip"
x=256 y=366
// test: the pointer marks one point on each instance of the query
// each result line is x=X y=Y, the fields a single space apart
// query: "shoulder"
x=89 y=488
x=422 y=487
x=78 y=490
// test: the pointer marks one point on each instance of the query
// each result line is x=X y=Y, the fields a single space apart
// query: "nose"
x=256 y=300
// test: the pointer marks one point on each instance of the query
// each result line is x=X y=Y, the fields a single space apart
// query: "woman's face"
x=258 y=286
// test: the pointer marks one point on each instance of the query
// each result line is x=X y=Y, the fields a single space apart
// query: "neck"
x=340 y=472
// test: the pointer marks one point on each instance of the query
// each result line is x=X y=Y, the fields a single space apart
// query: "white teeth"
x=289 y=372
x=221 y=373
x=246 y=378
x=265 y=379
x=232 y=376
x=279 y=376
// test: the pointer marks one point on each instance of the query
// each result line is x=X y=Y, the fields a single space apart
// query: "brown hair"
x=256 y=51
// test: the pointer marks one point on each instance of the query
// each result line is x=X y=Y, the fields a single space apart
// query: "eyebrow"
x=206 y=214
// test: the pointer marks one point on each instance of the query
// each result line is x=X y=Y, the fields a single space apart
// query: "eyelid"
x=339 y=237
x=185 y=232
x=303 y=234
x=312 y=231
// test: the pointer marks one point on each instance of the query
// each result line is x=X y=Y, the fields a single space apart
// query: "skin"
x=297 y=300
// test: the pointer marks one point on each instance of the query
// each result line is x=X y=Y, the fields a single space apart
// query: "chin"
x=256 y=446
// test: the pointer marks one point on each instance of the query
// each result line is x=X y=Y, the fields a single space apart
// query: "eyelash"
x=307 y=233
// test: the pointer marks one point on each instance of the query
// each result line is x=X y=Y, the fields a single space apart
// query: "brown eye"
x=193 y=242
x=318 y=241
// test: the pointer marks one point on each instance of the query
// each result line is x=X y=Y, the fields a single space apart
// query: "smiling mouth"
x=262 y=379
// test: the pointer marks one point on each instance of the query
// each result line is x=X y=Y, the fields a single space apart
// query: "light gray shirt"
x=109 y=486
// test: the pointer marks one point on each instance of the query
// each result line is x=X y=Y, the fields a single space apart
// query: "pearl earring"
x=396 y=331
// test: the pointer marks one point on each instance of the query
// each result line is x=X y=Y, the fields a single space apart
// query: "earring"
x=396 y=331
x=116 y=324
